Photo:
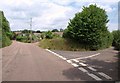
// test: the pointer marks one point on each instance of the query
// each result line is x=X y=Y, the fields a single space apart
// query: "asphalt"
x=28 y=62
x=0 y=65
x=106 y=61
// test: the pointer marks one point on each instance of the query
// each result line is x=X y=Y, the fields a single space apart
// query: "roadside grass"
x=61 y=44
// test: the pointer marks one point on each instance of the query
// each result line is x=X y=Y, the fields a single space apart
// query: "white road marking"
x=56 y=54
x=75 y=60
x=82 y=69
x=83 y=64
x=92 y=69
x=104 y=75
x=75 y=65
x=82 y=61
x=87 y=56
x=94 y=76
x=69 y=61
x=62 y=57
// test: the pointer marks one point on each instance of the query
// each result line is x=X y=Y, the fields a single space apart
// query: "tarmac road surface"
x=28 y=62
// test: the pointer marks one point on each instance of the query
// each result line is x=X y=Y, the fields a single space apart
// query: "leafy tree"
x=61 y=30
x=116 y=40
x=25 y=31
x=38 y=31
x=55 y=30
x=6 y=32
x=48 y=35
x=89 y=28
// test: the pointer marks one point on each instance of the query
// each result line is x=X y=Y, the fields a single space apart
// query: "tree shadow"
x=75 y=75
x=109 y=68
x=119 y=65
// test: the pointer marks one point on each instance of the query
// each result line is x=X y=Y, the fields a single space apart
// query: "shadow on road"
x=119 y=66
x=75 y=74
x=109 y=68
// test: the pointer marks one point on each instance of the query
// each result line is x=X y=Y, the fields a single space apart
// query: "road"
x=28 y=62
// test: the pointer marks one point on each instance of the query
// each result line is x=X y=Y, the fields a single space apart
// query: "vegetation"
x=0 y=30
x=89 y=28
x=26 y=36
x=49 y=35
x=116 y=40
x=55 y=30
x=5 y=30
x=60 y=44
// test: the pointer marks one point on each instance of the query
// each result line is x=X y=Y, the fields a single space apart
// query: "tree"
x=48 y=35
x=89 y=27
x=6 y=32
x=61 y=30
x=55 y=30
x=38 y=31
x=116 y=39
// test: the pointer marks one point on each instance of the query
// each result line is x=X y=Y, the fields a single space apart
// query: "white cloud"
x=112 y=26
x=47 y=14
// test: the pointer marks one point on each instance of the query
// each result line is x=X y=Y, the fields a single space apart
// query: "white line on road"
x=82 y=69
x=56 y=54
x=104 y=75
x=75 y=60
x=69 y=61
x=87 y=56
x=83 y=64
x=94 y=76
x=91 y=68
x=75 y=65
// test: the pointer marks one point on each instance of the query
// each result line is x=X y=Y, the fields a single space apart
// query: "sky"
x=52 y=14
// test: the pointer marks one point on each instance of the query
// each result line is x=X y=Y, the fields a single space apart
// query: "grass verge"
x=61 y=44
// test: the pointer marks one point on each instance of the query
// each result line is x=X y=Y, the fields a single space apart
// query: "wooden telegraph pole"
x=30 y=29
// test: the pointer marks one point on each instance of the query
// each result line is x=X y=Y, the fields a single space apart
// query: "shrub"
x=21 y=38
x=48 y=35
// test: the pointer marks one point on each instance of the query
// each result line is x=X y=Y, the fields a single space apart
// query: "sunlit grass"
x=61 y=44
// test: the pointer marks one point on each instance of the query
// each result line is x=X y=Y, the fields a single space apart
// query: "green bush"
x=22 y=38
x=48 y=35
x=116 y=39
x=89 y=28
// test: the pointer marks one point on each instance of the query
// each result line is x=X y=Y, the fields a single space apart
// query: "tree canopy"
x=6 y=32
x=89 y=27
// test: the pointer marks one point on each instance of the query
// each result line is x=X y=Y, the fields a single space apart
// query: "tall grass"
x=61 y=44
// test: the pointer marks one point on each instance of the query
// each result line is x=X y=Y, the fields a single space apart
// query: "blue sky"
x=50 y=14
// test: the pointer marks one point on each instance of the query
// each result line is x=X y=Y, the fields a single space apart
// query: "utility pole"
x=119 y=15
x=30 y=29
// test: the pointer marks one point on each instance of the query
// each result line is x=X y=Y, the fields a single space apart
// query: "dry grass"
x=61 y=44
